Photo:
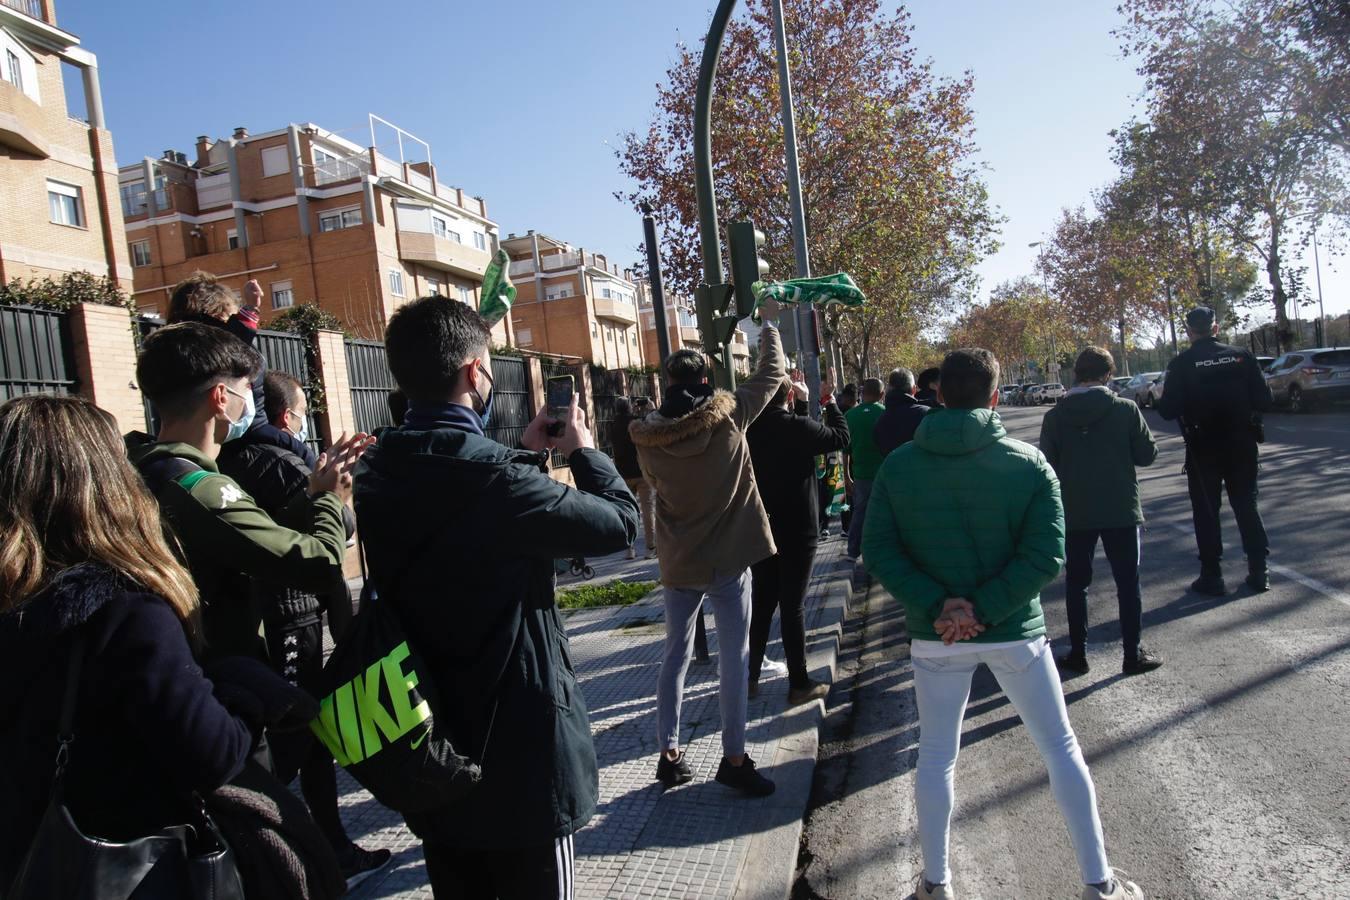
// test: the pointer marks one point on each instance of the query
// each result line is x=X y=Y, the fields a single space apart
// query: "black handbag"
x=184 y=861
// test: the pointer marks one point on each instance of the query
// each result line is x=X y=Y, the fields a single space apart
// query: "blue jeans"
x=1028 y=677
x=1121 y=546
x=862 y=491
x=730 y=601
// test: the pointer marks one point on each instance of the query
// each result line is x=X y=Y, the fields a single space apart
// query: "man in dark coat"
x=461 y=534
x=903 y=412
x=1219 y=393
x=783 y=451
x=927 y=393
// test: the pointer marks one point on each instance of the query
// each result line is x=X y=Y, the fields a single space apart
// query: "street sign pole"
x=655 y=285
x=808 y=343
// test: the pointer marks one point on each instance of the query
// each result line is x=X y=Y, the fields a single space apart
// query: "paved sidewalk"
x=698 y=840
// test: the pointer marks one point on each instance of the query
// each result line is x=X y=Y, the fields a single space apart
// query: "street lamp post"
x=1053 y=369
x=1317 y=267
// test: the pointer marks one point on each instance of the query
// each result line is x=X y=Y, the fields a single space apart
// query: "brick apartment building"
x=58 y=177
x=571 y=302
x=314 y=216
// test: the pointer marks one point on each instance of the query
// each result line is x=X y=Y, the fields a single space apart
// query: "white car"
x=1050 y=393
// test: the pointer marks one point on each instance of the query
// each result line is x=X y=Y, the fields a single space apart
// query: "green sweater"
x=866 y=455
x=1094 y=439
x=966 y=511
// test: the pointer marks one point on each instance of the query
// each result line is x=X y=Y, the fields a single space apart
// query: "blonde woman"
x=83 y=557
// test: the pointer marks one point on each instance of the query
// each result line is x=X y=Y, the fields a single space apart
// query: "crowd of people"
x=162 y=598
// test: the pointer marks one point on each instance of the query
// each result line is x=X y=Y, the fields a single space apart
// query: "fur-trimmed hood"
x=689 y=434
x=70 y=599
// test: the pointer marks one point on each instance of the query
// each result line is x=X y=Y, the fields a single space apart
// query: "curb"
x=770 y=865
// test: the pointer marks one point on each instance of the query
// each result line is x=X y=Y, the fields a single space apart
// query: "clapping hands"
x=957 y=621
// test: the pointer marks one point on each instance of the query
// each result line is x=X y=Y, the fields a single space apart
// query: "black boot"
x=1210 y=582
x=1258 y=576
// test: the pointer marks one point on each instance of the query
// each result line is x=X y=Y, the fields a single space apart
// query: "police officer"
x=1219 y=393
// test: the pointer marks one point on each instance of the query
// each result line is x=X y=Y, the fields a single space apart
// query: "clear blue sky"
x=524 y=107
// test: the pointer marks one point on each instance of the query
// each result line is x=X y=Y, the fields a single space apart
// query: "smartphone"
x=559 y=393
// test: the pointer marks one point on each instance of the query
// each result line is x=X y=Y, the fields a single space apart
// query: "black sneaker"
x=744 y=778
x=1072 y=663
x=1258 y=580
x=1212 y=585
x=357 y=863
x=671 y=772
x=1144 y=661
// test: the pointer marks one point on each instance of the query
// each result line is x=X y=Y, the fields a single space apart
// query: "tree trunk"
x=1283 y=333
x=1124 y=353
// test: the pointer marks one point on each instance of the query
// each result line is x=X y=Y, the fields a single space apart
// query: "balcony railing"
x=27 y=7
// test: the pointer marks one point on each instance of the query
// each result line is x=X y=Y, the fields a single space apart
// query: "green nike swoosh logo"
x=417 y=743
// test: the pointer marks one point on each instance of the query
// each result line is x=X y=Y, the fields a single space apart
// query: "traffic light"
x=744 y=242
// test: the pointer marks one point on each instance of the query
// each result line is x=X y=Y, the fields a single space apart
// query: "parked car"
x=1117 y=385
x=1155 y=390
x=1024 y=396
x=1005 y=394
x=1264 y=362
x=1050 y=393
x=1303 y=379
x=1138 y=386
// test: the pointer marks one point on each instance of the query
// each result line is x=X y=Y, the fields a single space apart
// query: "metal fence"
x=35 y=352
x=606 y=387
x=510 y=400
x=371 y=381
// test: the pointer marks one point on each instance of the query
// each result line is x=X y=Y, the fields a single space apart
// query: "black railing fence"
x=35 y=352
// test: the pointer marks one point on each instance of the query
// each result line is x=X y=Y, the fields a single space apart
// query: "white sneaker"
x=772 y=667
x=939 y=891
x=1124 y=890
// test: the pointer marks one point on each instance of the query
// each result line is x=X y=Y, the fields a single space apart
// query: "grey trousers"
x=730 y=601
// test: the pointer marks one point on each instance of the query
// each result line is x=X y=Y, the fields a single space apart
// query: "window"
x=604 y=293
x=466 y=295
x=140 y=253
x=396 y=282
x=479 y=240
x=454 y=236
x=524 y=337
x=438 y=226
x=282 y=295
x=632 y=340
x=557 y=292
x=133 y=198
x=594 y=331
x=276 y=161
x=14 y=69
x=433 y=287
x=337 y=219
x=232 y=239
x=65 y=203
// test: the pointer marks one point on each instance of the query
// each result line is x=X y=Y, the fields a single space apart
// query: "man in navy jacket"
x=903 y=413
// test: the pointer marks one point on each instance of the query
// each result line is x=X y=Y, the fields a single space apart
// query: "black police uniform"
x=1218 y=392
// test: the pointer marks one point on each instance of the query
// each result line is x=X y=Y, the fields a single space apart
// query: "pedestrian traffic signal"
x=744 y=242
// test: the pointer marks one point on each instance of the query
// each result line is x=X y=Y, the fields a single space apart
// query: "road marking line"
x=1322 y=588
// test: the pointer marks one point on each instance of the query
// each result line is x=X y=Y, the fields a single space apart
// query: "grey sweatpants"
x=730 y=601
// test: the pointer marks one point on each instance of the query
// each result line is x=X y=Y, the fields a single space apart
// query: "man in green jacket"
x=1094 y=439
x=863 y=460
x=965 y=529
x=198 y=379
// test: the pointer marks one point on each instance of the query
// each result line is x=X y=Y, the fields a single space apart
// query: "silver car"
x=1139 y=387
x=1303 y=379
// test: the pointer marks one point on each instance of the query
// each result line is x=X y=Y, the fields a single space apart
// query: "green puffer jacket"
x=966 y=511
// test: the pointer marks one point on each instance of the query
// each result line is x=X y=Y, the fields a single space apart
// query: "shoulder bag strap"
x=65 y=735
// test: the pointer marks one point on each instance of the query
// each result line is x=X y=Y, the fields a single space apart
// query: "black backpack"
x=380 y=716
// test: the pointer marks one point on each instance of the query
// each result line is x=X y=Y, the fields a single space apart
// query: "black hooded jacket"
x=148 y=729
x=898 y=423
x=461 y=535
x=783 y=451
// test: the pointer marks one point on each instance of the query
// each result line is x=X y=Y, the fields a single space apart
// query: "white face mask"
x=239 y=427
x=303 y=434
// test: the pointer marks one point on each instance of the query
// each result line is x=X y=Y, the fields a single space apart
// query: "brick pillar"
x=535 y=375
x=338 y=416
x=105 y=362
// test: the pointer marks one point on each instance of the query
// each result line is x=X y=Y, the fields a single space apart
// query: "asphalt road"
x=1225 y=774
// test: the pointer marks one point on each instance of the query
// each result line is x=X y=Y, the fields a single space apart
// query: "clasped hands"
x=957 y=621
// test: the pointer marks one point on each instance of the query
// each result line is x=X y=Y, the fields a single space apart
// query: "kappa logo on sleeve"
x=230 y=493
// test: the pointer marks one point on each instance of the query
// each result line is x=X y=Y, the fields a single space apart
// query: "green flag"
x=498 y=291
x=827 y=289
